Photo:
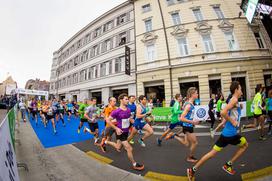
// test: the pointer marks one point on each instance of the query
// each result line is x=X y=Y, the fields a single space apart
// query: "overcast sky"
x=31 y=30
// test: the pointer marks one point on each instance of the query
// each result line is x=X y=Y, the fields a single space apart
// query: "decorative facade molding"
x=179 y=31
x=149 y=37
x=226 y=26
x=203 y=28
x=254 y=26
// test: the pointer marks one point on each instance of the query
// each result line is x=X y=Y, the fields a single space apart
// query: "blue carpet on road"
x=65 y=135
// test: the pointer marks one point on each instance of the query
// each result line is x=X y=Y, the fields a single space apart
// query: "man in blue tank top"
x=229 y=135
x=140 y=122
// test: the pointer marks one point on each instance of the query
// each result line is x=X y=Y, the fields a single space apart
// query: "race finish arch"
x=31 y=92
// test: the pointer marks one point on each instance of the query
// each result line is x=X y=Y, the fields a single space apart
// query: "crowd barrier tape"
x=8 y=163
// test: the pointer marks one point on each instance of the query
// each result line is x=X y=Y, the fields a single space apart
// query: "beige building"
x=202 y=43
x=7 y=86
x=92 y=62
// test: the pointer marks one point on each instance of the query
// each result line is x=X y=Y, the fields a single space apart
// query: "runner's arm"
x=139 y=112
x=86 y=115
x=184 y=113
x=176 y=109
x=225 y=111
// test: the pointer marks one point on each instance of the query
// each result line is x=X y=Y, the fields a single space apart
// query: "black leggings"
x=211 y=114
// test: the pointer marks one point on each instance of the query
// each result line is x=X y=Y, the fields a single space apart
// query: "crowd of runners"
x=131 y=118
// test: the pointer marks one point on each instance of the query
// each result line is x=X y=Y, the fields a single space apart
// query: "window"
x=87 y=38
x=148 y=25
x=232 y=44
x=146 y=8
x=121 y=19
x=218 y=12
x=118 y=64
x=102 y=69
x=108 y=26
x=95 y=50
x=83 y=75
x=259 y=40
x=122 y=37
x=96 y=71
x=97 y=32
x=110 y=67
x=176 y=18
x=150 y=52
x=181 y=1
x=107 y=45
x=79 y=44
x=207 y=41
x=170 y=2
x=183 y=46
x=85 y=55
x=91 y=73
x=76 y=61
x=75 y=78
x=197 y=14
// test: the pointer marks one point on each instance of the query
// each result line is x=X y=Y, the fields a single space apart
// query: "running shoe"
x=262 y=138
x=55 y=131
x=141 y=142
x=170 y=136
x=228 y=169
x=78 y=131
x=131 y=141
x=190 y=174
x=96 y=140
x=84 y=130
x=103 y=145
x=159 y=141
x=212 y=134
x=191 y=159
x=138 y=167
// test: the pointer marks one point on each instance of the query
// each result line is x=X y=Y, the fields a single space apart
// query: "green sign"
x=11 y=120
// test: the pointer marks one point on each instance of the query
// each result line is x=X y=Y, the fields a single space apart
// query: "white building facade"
x=92 y=62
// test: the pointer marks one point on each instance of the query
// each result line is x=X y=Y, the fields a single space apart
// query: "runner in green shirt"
x=219 y=106
x=176 y=111
x=81 y=112
x=257 y=110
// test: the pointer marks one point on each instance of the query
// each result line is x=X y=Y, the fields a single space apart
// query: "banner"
x=8 y=164
x=201 y=113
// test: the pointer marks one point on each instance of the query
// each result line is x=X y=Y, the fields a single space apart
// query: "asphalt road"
x=170 y=157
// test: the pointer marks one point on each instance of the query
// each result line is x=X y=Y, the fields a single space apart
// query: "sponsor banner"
x=8 y=164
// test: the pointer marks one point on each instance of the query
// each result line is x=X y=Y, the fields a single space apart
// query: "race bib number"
x=125 y=123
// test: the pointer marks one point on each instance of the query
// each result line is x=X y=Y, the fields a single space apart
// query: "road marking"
x=154 y=176
x=209 y=134
x=99 y=158
x=250 y=176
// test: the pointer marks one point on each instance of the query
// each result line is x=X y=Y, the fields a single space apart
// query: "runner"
x=81 y=111
x=43 y=113
x=70 y=110
x=29 y=108
x=108 y=132
x=132 y=107
x=189 y=123
x=22 y=108
x=34 y=110
x=123 y=118
x=176 y=111
x=61 y=112
x=140 y=122
x=219 y=106
x=50 y=115
x=229 y=135
x=92 y=114
x=258 y=113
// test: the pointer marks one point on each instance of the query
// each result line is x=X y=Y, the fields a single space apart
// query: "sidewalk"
x=61 y=163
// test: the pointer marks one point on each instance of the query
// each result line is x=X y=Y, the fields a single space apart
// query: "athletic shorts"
x=218 y=114
x=188 y=129
x=173 y=125
x=83 y=120
x=139 y=125
x=48 y=117
x=122 y=137
x=264 y=112
x=223 y=141
x=34 y=112
x=93 y=126
x=70 y=111
x=61 y=111
x=270 y=115
x=257 y=115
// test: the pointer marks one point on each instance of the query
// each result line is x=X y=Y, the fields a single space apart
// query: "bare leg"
x=149 y=131
x=132 y=134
